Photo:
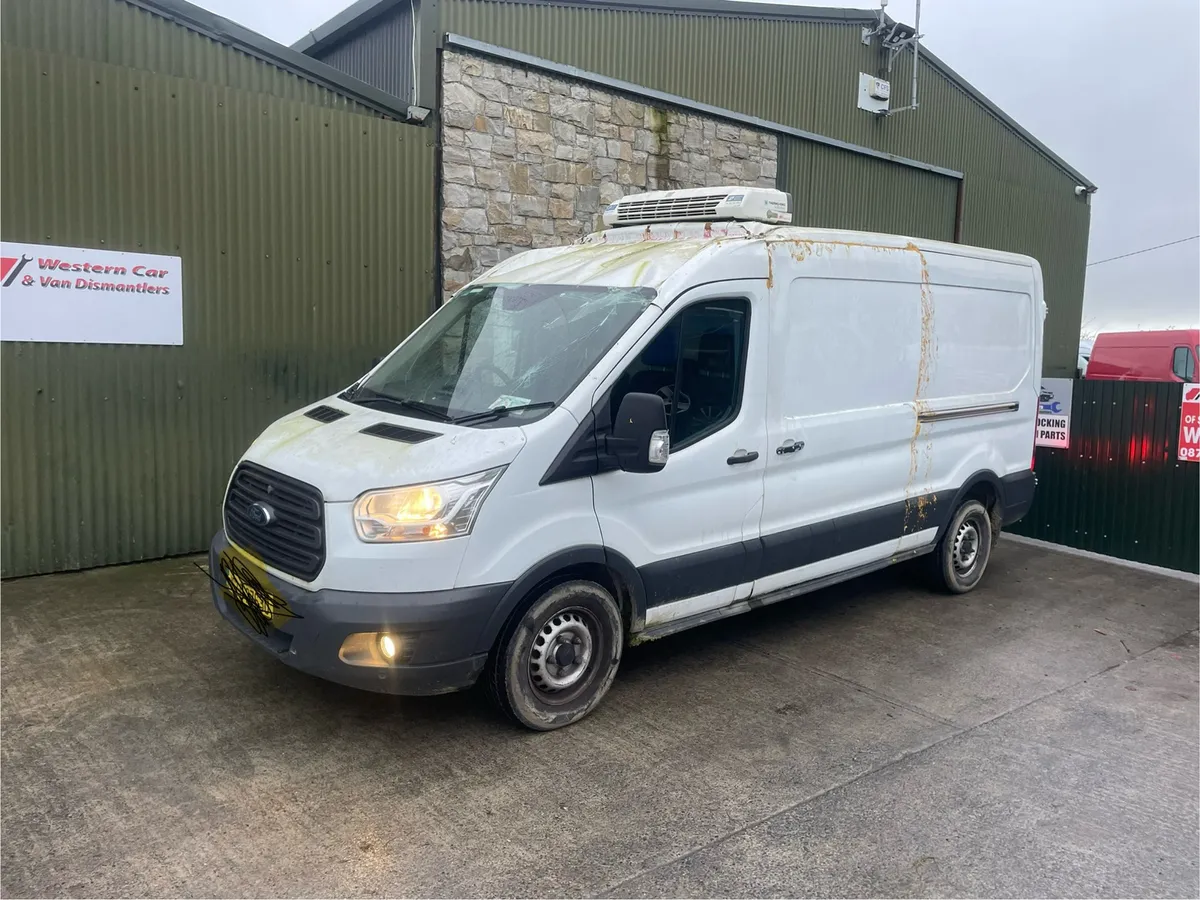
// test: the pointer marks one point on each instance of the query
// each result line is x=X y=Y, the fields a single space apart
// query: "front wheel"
x=554 y=664
x=963 y=553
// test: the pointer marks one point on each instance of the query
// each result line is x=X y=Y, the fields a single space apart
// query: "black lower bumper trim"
x=439 y=631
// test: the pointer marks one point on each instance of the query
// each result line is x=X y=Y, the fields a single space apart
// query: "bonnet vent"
x=398 y=433
x=326 y=414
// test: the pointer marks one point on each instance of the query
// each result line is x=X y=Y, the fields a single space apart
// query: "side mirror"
x=640 y=440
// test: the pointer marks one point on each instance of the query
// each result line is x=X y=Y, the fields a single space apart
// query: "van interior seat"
x=659 y=360
x=711 y=384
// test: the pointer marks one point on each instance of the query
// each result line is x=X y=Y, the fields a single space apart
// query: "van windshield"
x=504 y=345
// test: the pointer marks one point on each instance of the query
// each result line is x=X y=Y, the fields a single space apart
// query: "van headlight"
x=423 y=512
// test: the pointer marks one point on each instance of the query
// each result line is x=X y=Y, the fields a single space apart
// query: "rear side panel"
x=898 y=375
x=978 y=410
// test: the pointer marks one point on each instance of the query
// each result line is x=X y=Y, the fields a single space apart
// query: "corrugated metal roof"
x=355 y=16
x=359 y=14
x=380 y=53
x=232 y=34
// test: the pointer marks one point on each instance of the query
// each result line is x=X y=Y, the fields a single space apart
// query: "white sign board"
x=1054 y=413
x=82 y=296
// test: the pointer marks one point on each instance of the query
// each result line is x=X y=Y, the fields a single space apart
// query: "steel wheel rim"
x=966 y=548
x=562 y=652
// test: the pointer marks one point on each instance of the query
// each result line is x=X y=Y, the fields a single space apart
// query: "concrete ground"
x=1038 y=737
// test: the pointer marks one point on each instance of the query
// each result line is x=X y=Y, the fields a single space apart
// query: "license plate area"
x=251 y=596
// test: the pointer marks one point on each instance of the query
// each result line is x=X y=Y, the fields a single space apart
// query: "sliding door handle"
x=789 y=446
x=742 y=456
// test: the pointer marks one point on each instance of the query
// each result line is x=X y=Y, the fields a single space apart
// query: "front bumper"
x=439 y=631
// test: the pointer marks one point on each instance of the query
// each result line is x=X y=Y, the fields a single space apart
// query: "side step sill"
x=787 y=593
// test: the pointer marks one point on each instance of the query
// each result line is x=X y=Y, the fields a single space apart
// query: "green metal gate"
x=1119 y=489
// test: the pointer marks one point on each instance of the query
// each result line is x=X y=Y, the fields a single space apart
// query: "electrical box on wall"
x=873 y=93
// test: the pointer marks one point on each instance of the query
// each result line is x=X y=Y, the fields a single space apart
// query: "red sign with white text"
x=1189 y=424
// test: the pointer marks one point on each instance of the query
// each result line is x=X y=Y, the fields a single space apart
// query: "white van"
x=693 y=413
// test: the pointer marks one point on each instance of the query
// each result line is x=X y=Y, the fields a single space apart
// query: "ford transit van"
x=697 y=411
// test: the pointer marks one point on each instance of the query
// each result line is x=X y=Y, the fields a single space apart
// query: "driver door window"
x=696 y=364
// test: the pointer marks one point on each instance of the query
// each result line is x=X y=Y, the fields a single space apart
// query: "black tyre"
x=963 y=553
x=553 y=664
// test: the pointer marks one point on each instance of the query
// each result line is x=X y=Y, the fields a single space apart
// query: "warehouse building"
x=305 y=208
x=537 y=96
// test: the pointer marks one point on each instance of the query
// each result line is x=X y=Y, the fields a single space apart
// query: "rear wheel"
x=554 y=663
x=963 y=553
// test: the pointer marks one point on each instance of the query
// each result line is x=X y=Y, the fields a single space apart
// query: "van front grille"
x=292 y=537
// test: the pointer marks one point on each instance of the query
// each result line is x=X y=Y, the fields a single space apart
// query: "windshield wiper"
x=365 y=396
x=425 y=408
x=496 y=412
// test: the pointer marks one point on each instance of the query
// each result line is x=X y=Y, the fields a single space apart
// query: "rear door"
x=686 y=527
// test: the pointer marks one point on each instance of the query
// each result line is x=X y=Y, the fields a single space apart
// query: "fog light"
x=378 y=649
x=389 y=647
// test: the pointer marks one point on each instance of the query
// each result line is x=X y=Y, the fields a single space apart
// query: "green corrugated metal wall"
x=805 y=74
x=835 y=189
x=110 y=31
x=305 y=232
x=1119 y=489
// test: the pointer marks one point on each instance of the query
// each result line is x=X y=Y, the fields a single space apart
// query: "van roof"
x=646 y=256
x=1173 y=337
x=640 y=264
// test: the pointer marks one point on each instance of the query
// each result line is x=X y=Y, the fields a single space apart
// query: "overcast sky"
x=1109 y=85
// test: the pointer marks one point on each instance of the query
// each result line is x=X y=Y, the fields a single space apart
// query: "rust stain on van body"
x=920 y=458
x=917 y=506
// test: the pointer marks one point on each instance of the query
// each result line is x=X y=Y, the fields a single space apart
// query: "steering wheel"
x=505 y=380
x=675 y=402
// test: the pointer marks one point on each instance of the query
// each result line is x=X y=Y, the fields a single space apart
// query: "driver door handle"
x=789 y=446
x=742 y=456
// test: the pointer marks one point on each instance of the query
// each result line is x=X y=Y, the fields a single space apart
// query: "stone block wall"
x=531 y=160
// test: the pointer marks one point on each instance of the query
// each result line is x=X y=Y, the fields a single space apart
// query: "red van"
x=1145 y=356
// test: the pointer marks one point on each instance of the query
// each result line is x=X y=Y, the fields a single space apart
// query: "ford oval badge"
x=261 y=514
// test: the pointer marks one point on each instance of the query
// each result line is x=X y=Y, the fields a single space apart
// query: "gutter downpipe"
x=960 y=201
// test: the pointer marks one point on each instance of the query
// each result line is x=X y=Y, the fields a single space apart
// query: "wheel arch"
x=985 y=486
x=611 y=570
